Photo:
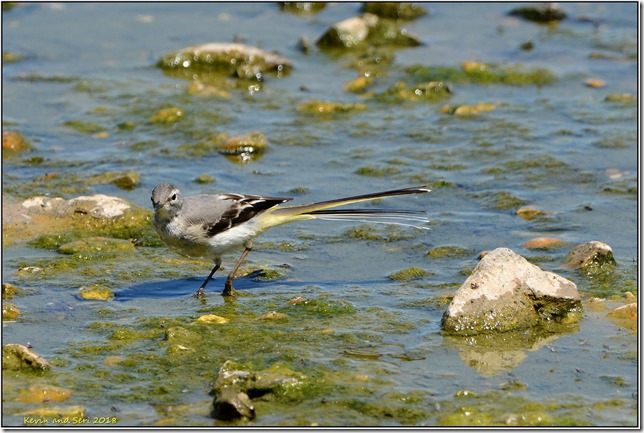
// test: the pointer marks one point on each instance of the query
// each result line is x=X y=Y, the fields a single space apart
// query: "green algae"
x=327 y=109
x=95 y=292
x=390 y=233
x=408 y=274
x=501 y=200
x=96 y=245
x=377 y=171
x=484 y=73
x=84 y=127
x=448 y=251
x=51 y=242
x=431 y=91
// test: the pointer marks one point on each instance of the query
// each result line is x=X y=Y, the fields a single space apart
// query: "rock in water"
x=593 y=254
x=505 y=292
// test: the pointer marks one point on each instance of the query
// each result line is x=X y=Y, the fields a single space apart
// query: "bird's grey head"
x=166 y=198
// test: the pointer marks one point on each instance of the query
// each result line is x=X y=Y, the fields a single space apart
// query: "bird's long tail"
x=325 y=210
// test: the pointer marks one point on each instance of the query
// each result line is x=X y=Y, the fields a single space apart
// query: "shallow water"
x=371 y=347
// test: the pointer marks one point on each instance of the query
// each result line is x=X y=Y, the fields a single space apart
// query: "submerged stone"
x=41 y=393
x=529 y=213
x=544 y=243
x=621 y=98
x=67 y=412
x=546 y=13
x=95 y=292
x=323 y=108
x=96 y=245
x=19 y=357
x=505 y=292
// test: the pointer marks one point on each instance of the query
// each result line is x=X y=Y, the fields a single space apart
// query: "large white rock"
x=98 y=205
x=505 y=292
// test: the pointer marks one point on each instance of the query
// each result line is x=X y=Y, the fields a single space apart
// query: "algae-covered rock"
x=204 y=178
x=625 y=316
x=349 y=33
x=125 y=180
x=359 y=84
x=303 y=8
x=366 y=31
x=325 y=108
x=448 y=251
x=40 y=393
x=9 y=312
x=591 y=256
x=8 y=291
x=395 y=10
x=505 y=292
x=432 y=91
x=408 y=274
x=13 y=141
x=244 y=148
x=230 y=59
x=273 y=315
x=95 y=292
x=196 y=87
x=468 y=110
x=231 y=405
x=167 y=116
x=96 y=245
x=233 y=380
x=18 y=357
x=624 y=98
x=529 y=213
x=473 y=72
x=545 y=13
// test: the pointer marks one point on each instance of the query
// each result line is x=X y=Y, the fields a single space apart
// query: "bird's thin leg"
x=228 y=289
x=200 y=292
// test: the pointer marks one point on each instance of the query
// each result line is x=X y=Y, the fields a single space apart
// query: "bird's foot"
x=228 y=290
x=199 y=293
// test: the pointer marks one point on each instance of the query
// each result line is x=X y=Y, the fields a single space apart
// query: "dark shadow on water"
x=188 y=286
x=176 y=288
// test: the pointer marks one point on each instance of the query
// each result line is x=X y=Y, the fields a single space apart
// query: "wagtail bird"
x=209 y=225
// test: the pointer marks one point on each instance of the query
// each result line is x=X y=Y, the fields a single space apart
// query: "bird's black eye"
x=174 y=197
